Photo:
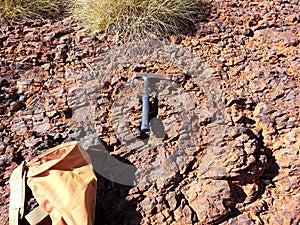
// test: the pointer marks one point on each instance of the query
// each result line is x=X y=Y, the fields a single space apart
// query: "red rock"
x=209 y=171
x=175 y=39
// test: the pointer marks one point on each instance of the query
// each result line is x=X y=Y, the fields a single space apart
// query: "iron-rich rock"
x=196 y=170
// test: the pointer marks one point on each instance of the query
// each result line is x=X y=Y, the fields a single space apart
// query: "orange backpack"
x=62 y=181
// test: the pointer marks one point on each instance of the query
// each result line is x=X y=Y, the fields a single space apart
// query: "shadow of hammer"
x=145 y=110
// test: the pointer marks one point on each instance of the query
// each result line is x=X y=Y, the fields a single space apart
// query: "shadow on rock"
x=246 y=188
x=272 y=169
x=114 y=204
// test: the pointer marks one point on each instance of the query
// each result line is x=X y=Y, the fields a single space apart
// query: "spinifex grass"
x=14 y=11
x=136 y=17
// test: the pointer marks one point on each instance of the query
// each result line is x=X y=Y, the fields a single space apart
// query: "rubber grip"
x=145 y=114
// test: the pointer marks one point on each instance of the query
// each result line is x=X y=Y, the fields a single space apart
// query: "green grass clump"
x=15 y=11
x=136 y=17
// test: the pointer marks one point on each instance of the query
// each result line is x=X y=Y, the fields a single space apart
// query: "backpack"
x=62 y=181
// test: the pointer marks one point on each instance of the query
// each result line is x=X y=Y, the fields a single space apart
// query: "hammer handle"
x=145 y=114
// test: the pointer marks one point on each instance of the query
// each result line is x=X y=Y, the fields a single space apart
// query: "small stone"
x=148 y=205
x=187 y=213
x=2 y=162
x=292 y=18
x=175 y=39
x=79 y=36
x=258 y=85
x=159 y=218
x=195 y=42
x=291 y=137
x=3 y=38
x=49 y=37
x=63 y=31
x=62 y=48
x=113 y=140
x=236 y=100
x=172 y=201
x=178 y=214
x=18 y=126
x=205 y=116
x=31 y=37
x=248 y=32
x=32 y=141
x=46 y=66
x=41 y=126
x=16 y=106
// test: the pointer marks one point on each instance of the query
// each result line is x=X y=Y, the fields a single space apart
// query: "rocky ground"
x=224 y=141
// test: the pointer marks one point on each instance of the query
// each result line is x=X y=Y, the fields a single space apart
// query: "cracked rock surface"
x=223 y=145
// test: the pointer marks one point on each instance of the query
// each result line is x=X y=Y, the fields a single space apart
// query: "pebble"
x=175 y=39
x=41 y=126
x=32 y=141
x=2 y=162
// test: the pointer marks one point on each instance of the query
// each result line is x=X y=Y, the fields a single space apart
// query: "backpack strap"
x=36 y=215
x=17 y=199
x=17 y=194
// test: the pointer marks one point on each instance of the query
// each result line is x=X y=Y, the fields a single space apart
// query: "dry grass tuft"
x=136 y=17
x=15 y=11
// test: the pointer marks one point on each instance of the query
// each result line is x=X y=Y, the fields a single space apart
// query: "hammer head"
x=147 y=76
